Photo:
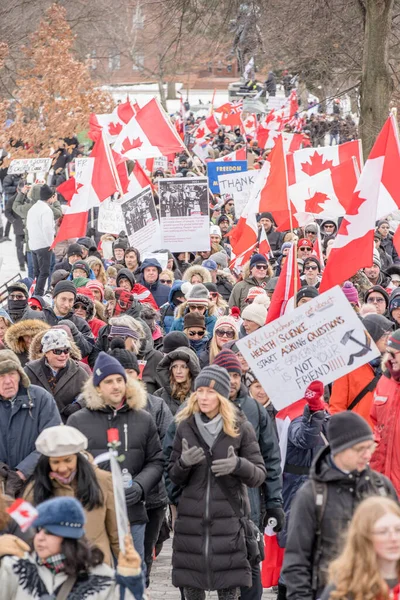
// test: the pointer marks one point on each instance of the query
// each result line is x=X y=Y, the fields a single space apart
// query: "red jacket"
x=385 y=415
x=346 y=389
x=143 y=295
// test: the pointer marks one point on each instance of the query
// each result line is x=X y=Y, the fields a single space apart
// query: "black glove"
x=71 y=325
x=70 y=409
x=133 y=494
x=279 y=515
x=14 y=484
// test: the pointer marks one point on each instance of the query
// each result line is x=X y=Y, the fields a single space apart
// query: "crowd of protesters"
x=92 y=341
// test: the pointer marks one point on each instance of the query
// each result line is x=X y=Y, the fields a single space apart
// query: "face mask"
x=17 y=307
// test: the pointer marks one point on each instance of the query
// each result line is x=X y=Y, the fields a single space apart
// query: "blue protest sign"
x=216 y=168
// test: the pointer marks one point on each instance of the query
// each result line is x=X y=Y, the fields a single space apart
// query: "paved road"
x=161 y=587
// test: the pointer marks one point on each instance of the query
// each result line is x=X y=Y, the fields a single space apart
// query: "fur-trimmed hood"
x=185 y=354
x=136 y=395
x=197 y=270
x=15 y=333
x=35 y=349
x=225 y=275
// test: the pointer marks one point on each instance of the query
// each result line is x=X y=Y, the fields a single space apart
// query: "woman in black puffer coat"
x=214 y=446
x=176 y=389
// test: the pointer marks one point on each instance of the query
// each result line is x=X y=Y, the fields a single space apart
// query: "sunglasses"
x=228 y=333
x=310 y=268
x=165 y=280
x=196 y=307
x=196 y=333
x=215 y=294
x=59 y=351
x=375 y=300
x=78 y=306
x=262 y=267
x=305 y=249
x=329 y=226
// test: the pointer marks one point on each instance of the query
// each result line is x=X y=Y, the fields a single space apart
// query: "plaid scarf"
x=54 y=563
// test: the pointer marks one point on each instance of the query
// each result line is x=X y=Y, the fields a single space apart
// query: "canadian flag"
x=264 y=246
x=104 y=174
x=111 y=123
x=240 y=260
x=376 y=191
x=309 y=161
x=240 y=154
x=285 y=287
x=250 y=125
x=148 y=134
x=294 y=141
x=74 y=221
x=205 y=128
x=267 y=137
x=23 y=513
x=138 y=180
x=326 y=194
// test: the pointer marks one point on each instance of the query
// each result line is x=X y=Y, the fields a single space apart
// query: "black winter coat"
x=162 y=417
x=68 y=386
x=224 y=286
x=13 y=218
x=344 y=492
x=140 y=442
x=209 y=548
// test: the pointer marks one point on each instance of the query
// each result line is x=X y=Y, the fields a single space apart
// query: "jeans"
x=255 y=591
x=137 y=532
x=156 y=517
x=334 y=136
x=29 y=260
x=41 y=266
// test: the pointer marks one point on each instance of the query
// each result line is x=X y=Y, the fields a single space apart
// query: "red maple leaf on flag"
x=343 y=227
x=316 y=164
x=200 y=132
x=114 y=128
x=131 y=145
x=313 y=205
x=354 y=208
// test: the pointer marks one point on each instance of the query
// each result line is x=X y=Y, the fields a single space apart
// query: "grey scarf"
x=209 y=430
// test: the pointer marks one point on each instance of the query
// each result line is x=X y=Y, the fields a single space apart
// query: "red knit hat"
x=93 y=284
x=227 y=359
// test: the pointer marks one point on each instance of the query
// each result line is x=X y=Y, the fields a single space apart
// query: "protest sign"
x=160 y=162
x=121 y=513
x=141 y=221
x=110 y=218
x=323 y=339
x=29 y=165
x=162 y=258
x=184 y=212
x=217 y=168
x=238 y=185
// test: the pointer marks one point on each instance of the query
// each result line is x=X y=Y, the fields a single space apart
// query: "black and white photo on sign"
x=141 y=222
x=139 y=211
x=183 y=197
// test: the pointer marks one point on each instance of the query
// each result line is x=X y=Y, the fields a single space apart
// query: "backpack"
x=320 y=492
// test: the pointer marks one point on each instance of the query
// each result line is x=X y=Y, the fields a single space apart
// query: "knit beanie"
x=174 y=340
x=81 y=264
x=267 y=215
x=258 y=258
x=255 y=291
x=229 y=361
x=55 y=339
x=46 y=193
x=377 y=326
x=351 y=293
x=377 y=258
x=257 y=312
x=127 y=358
x=74 y=250
x=211 y=287
x=216 y=378
x=346 y=429
x=394 y=301
x=221 y=258
x=215 y=230
x=96 y=285
x=312 y=259
x=198 y=294
x=286 y=245
x=193 y=320
x=123 y=332
x=394 y=341
x=18 y=287
x=379 y=289
x=64 y=286
x=306 y=292
x=104 y=366
x=226 y=321
x=9 y=361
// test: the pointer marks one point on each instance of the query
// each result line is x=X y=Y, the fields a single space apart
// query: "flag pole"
x=113 y=166
x=295 y=268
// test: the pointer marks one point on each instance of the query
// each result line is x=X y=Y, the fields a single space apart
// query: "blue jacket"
x=33 y=410
x=167 y=310
x=303 y=444
x=159 y=290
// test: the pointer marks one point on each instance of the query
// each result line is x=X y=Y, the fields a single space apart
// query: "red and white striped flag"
x=138 y=179
x=240 y=154
x=285 y=287
x=149 y=133
x=264 y=246
x=377 y=191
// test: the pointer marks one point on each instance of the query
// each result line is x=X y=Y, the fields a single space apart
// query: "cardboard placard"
x=239 y=186
x=321 y=340
x=141 y=221
x=217 y=168
x=29 y=165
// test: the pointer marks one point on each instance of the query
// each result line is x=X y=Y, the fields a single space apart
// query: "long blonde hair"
x=214 y=350
x=227 y=410
x=355 y=572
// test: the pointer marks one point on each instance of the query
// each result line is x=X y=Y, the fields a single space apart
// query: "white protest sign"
x=29 y=165
x=238 y=185
x=323 y=339
x=160 y=162
x=110 y=218
x=141 y=222
x=162 y=258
